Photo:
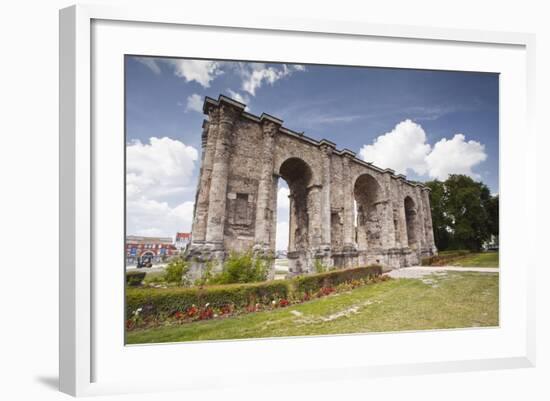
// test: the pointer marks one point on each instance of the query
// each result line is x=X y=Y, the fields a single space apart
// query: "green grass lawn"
x=484 y=259
x=452 y=300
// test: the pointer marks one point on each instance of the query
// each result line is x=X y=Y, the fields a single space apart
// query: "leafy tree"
x=441 y=220
x=492 y=210
x=464 y=213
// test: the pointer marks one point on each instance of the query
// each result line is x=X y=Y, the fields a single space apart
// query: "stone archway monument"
x=344 y=211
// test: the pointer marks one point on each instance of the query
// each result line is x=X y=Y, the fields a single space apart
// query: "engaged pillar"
x=430 y=241
x=326 y=148
x=266 y=189
x=218 y=183
x=349 y=198
x=200 y=214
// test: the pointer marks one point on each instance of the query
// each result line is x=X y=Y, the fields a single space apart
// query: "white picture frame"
x=84 y=351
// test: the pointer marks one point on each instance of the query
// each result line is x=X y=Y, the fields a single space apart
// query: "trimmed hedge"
x=134 y=277
x=170 y=300
x=443 y=258
x=167 y=301
x=332 y=278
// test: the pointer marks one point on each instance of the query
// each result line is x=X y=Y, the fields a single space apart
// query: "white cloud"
x=201 y=71
x=405 y=148
x=158 y=168
x=238 y=97
x=155 y=171
x=455 y=156
x=194 y=103
x=150 y=63
x=328 y=119
x=150 y=217
x=256 y=74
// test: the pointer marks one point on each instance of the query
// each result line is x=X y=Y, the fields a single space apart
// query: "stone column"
x=349 y=243
x=388 y=229
x=430 y=240
x=273 y=229
x=325 y=198
x=401 y=216
x=200 y=214
x=265 y=188
x=314 y=217
x=218 y=182
x=291 y=224
x=420 y=216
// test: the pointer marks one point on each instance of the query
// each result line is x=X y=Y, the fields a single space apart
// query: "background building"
x=156 y=249
x=182 y=240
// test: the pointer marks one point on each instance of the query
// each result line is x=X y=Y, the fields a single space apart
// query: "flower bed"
x=149 y=307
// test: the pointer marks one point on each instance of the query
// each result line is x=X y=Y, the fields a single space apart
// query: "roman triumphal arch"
x=343 y=211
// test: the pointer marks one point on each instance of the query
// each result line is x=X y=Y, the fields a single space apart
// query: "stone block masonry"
x=344 y=211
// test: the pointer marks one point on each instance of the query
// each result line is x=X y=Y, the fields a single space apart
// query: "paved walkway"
x=421 y=271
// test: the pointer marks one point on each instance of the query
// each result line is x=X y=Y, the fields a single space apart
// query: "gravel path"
x=421 y=271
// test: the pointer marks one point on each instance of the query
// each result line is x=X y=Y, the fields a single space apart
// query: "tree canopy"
x=464 y=213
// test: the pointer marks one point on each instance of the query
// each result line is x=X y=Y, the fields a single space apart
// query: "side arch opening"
x=368 y=213
x=297 y=175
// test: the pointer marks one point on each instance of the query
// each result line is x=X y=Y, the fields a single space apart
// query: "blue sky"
x=425 y=124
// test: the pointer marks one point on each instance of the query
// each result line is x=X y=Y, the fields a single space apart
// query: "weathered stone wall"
x=343 y=211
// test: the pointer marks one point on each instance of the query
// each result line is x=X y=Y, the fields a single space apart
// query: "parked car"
x=144 y=261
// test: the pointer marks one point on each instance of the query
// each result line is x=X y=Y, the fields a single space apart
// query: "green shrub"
x=332 y=278
x=319 y=266
x=134 y=278
x=444 y=258
x=454 y=253
x=242 y=268
x=166 y=301
x=176 y=270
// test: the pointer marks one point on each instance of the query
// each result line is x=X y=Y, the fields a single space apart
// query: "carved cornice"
x=327 y=147
x=231 y=109
x=349 y=154
x=228 y=114
x=214 y=116
x=270 y=129
x=264 y=118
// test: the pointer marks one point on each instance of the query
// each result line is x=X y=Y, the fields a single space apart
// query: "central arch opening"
x=297 y=176
x=368 y=213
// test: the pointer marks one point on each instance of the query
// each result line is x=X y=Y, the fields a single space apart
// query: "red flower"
x=192 y=311
x=207 y=313
x=283 y=303
x=179 y=315
x=325 y=291
x=225 y=310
